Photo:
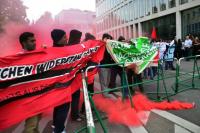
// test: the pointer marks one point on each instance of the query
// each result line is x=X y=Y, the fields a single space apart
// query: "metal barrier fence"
x=194 y=76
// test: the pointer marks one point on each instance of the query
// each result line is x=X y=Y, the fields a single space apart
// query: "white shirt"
x=162 y=47
x=188 y=43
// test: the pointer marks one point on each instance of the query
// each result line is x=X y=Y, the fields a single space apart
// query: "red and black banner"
x=33 y=82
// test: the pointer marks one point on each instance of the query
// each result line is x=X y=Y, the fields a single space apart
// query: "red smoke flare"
x=122 y=113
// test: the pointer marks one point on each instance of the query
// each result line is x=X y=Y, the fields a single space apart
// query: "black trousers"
x=60 y=112
x=59 y=116
x=114 y=72
x=134 y=78
x=75 y=105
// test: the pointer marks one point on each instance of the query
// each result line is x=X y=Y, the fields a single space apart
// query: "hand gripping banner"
x=33 y=82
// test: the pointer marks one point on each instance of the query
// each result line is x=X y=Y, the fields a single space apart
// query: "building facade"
x=134 y=18
x=77 y=19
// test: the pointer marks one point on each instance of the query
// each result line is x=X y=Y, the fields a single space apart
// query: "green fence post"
x=197 y=66
x=98 y=116
x=123 y=83
x=127 y=85
x=193 y=75
x=158 y=82
x=165 y=87
x=177 y=76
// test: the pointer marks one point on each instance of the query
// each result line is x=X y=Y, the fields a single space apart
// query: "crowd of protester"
x=168 y=50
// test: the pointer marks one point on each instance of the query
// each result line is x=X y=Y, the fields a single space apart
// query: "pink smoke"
x=10 y=42
x=10 y=37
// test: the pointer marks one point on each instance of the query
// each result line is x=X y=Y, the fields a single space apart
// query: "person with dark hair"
x=134 y=78
x=178 y=49
x=59 y=38
x=105 y=72
x=196 y=46
x=89 y=36
x=75 y=38
x=27 y=41
x=121 y=39
x=60 y=112
x=116 y=70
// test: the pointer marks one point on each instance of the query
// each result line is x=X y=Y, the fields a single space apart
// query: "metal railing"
x=160 y=77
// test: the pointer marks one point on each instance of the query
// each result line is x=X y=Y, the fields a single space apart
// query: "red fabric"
x=20 y=109
x=153 y=34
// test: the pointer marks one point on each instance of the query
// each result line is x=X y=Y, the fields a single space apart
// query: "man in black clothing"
x=116 y=70
x=105 y=72
x=60 y=112
x=75 y=38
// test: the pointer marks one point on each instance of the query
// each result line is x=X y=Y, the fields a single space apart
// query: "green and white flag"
x=138 y=53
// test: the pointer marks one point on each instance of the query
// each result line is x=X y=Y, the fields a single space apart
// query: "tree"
x=12 y=11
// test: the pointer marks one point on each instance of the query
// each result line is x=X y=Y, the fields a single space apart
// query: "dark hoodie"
x=74 y=37
x=107 y=59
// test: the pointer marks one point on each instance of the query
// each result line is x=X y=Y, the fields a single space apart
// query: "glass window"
x=191 y=22
x=163 y=5
x=117 y=17
x=166 y=27
x=142 y=8
x=136 y=10
x=183 y=1
x=148 y=7
x=131 y=11
x=172 y=3
x=154 y=6
x=125 y=13
x=194 y=14
x=134 y=13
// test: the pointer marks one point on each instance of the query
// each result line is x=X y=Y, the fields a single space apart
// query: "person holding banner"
x=116 y=70
x=75 y=38
x=134 y=78
x=27 y=41
x=60 y=112
x=169 y=56
x=105 y=72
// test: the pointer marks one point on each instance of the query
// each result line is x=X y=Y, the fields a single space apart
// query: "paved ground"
x=181 y=121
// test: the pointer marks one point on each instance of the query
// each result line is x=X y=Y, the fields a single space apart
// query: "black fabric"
x=49 y=88
x=59 y=116
x=107 y=59
x=42 y=76
x=117 y=70
x=137 y=78
x=75 y=105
